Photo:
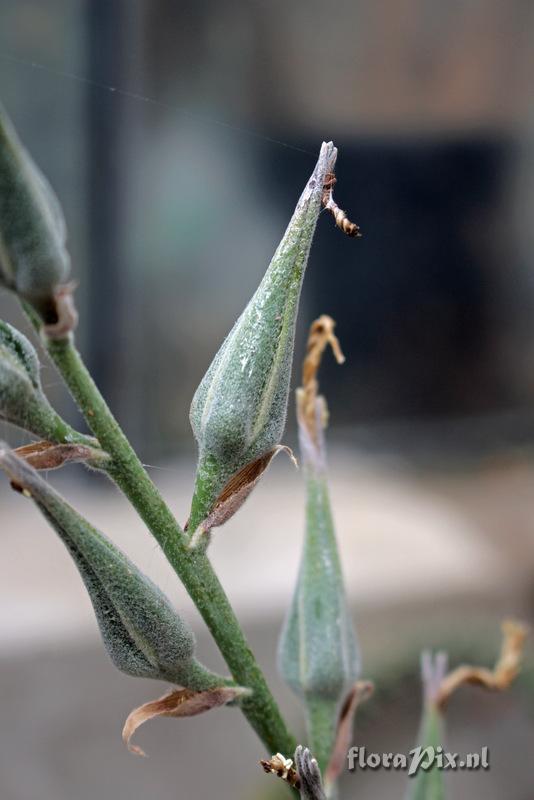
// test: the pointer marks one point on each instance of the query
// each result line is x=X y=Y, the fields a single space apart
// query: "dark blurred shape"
x=105 y=38
x=413 y=298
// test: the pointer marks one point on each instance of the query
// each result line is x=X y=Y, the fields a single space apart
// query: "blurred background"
x=178 y=137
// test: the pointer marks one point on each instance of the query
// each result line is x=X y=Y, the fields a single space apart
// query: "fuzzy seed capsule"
x=239 y=410
x=33 y=258
x=22 y=401
x=142 y=633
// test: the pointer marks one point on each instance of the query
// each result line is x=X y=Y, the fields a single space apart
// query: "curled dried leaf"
x=236 y=492
x=178 y=703
x=48 y=455
x=500 y=678
x=359 y=693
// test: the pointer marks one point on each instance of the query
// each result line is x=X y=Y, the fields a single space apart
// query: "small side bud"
x=439 y=686
x=142 y=633
x=239 y=410
x=22 y=401
x=34 y=262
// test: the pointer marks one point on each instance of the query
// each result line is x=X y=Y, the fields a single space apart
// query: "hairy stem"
x=322 y=728
x=192 y=567
x=201 y=504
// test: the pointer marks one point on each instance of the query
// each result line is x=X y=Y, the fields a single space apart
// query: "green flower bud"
x=318 y=653
x=318 y=656
x=142 y=633
x=22 y=401
x=33 y=257
x=239 y=410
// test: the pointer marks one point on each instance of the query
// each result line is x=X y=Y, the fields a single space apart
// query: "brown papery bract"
x=179 y=702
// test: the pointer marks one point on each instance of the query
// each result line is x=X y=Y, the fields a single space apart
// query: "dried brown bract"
x=45 y=455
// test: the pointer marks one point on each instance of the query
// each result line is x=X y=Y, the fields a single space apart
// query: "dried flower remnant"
x=303 y=774
x=282 y=767
x=500 y=678
x=321 y=335
x=340 y=216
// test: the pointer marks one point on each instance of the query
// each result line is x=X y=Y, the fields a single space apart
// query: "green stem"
x=62 y=432
x=192 y=567
x=322 y=728
x=207 y=476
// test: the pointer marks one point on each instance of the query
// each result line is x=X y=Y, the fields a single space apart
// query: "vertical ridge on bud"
x=318 y=653
x=33 y=257
x=239 y=410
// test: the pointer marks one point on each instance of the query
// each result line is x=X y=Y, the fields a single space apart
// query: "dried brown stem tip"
x=505 y=671
x=283 y=767
x=342 y=221
x=321 y=335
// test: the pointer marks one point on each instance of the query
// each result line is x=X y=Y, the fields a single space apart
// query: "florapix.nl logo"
x=420 y=758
